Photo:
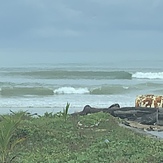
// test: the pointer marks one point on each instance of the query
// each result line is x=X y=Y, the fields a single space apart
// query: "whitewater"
x=47 y=88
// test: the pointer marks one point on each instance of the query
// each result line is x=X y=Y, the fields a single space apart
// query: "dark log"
x=139 y=114
x=114 y=105
x=142 y=115
x=160 y=117
x=133 y=113
x=89 y=110
x=148 y=119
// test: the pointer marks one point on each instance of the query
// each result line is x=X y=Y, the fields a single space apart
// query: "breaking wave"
x=45 y=91
x=71 y=90
x=148 y=75
x=111 y=89
x=101 y=90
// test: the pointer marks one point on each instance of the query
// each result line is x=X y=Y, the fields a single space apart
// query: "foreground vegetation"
x=59 y=138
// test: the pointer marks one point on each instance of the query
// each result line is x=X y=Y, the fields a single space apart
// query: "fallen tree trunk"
x=142 y=115
x=135 y=113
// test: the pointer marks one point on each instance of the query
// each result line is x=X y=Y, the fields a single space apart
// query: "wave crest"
x=148 y=75
x=63 y=74
x=71 y=90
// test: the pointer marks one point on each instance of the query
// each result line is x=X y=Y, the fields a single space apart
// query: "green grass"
x=82 y=139
x=8 y=128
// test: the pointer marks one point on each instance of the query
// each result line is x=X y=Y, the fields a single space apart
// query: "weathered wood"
x=148 y=119
x=140 y=114
x=89 y=110
x=160 y=117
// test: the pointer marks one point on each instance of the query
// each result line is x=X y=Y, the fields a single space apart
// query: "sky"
x=74 y=31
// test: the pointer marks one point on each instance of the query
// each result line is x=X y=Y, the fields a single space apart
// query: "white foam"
x=71 y=90
x=125 y=87
x=148 y=75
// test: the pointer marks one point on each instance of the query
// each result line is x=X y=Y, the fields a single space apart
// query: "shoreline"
x=39 y=110
x=153 y=131
x=33 y=110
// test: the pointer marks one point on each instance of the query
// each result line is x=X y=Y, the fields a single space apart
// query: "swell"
x=43 y=91
x=63 y=74
x=110 y=90
x=20 y=91
x=101 y=90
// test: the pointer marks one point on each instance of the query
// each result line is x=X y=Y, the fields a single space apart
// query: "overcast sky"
x=80 y=30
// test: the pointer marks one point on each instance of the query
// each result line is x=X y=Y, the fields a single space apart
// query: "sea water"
x=44 y=88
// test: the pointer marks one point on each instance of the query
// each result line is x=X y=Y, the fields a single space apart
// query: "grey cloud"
x=82 y=25
x=50 y=32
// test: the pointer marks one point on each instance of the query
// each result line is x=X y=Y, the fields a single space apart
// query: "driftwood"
x=89 y=110
x=142 y=115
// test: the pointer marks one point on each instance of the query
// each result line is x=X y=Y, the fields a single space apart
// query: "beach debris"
x=152 y=101
x=88 y=126
x=106 y=141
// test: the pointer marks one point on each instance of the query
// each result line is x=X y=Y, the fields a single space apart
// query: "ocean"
x=40 y=88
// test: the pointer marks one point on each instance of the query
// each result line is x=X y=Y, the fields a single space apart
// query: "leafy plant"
x=50 y=115
x=65 y=111
x=50 y=140
x=8 y=126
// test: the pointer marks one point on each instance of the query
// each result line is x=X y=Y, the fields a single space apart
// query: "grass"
x=8 y=128
x=76 y=139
